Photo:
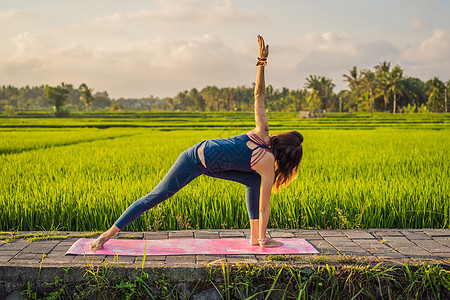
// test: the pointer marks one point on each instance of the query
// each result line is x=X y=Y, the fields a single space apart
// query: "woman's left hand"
x=263 y=48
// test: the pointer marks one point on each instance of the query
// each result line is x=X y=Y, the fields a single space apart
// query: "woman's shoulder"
x=259 y=137
x=266 y=165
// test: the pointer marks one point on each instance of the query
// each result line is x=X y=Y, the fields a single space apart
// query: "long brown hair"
x=288 y=151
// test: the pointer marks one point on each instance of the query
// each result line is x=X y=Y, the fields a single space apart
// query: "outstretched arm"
x=262 y=125
x=266 y=169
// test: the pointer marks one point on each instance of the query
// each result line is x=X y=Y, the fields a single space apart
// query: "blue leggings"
x=186 y=168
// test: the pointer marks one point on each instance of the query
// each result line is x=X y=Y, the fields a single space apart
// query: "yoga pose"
x=255 y=159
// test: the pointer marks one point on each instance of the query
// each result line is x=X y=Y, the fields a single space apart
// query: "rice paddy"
x=82 y=173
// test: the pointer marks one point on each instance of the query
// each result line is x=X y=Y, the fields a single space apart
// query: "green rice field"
x=81 y=173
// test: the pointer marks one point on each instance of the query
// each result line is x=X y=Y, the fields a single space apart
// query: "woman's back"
x=232 y=154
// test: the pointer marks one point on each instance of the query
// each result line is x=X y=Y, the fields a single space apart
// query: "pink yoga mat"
x=189 y=247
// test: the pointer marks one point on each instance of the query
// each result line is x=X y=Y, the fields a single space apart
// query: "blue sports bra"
x=233 y=153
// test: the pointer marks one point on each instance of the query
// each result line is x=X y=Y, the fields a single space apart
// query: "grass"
x=246 y=281
x=316 y=259
x=394 y=175
x=8 y=237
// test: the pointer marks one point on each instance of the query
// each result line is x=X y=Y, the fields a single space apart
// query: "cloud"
x=110 y=25
x=329 y=52
x=417 y=23
x=170 y=14
x=430 y=57
x=14 y=15
x=434 y=49
x=180 y=12
x=152 y=66
x=163 y=66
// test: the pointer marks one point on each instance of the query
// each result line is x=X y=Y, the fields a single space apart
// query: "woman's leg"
x=252 y=182
x=180 y=174
x=185 y=169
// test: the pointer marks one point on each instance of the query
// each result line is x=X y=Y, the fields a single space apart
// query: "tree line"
x=379 y=89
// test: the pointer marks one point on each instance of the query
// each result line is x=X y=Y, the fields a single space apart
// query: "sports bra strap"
x=260 y=149
x=258 y=154
x=258 y=139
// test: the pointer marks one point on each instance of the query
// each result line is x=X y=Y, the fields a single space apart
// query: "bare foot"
x=270 y=243
x=98 y=243
x=254 y=242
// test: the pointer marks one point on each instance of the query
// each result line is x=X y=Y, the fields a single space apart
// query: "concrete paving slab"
x=29 y=255
x=130 y=235
x=281 y=234
x=445 y=255
x=5 y=258
x=396 y=245
x=42 y=246
x=245 y=259
x=228 y=234
x=309 y=234
x=205 y=258
x=398 y=241
x=415 y=235
x=156 y=235
x=181 y=234
x=437 y=232
x=16 y=245
x=440 y=239
x=21 y=260
x=120 y=260
x=151 y=258
x=8 y=253
x=62 y=247
x=206 y=235
x=180 y=260
x=415 y=252
x=432 y=246
x=61 y=260
x=88 y=260
x=339 y=240
x=323 y=246
x=358 y=234
x=373 y=246
x=388 y=233
x=25 y=262
x=354 y=251
x=388 y=255
x=332 y=233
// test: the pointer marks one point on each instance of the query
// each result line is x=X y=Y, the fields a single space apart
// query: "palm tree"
x=57 y=96
x=414 y=91
x=447 y=87
x=322 y=86
x=369 y=83
x=327 y=91
x=314 y=99
x=199 y=102
x=343 y=96
x=381 y=71
x=354 y=83
x=353 y=79
x=394 y=84
x=313 y=83
x=86 y=95
x=435 y=92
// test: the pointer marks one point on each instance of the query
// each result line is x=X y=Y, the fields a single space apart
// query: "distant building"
x=317 y=113
x=304 y=114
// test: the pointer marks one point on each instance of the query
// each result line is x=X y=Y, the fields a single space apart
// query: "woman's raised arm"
x=262 y=125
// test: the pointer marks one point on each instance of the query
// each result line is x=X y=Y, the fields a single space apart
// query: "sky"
x=139 y=48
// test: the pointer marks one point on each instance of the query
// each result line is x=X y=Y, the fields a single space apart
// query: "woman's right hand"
x=263 y=48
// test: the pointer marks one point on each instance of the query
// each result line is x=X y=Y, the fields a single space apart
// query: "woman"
x=255 y=159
